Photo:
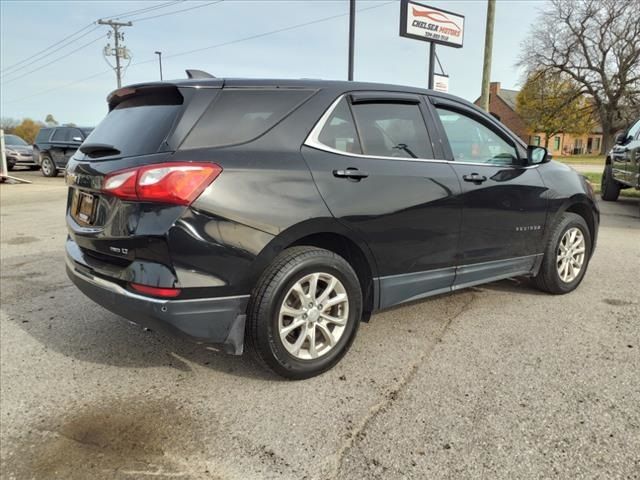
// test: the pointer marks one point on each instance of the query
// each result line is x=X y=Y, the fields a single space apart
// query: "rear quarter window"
x=239 y=116
x=43 y=135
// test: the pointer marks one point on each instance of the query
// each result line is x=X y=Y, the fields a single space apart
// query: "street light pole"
x=160 y=62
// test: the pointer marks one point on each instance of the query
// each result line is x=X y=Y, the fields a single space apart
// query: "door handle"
x=351 y=173
x=474 y=177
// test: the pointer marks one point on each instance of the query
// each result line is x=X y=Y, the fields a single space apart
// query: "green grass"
x=581 y=159
x=595 y=179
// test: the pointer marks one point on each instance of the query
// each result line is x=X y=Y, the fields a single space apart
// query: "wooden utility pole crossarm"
x=119 y=52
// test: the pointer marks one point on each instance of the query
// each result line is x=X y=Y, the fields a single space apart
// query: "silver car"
x=18 y=152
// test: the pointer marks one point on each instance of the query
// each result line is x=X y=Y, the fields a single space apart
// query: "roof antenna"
x=198 y=74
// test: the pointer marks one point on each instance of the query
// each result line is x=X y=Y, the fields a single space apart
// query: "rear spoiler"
x=117 y=96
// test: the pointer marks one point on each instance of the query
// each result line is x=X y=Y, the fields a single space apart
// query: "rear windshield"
x=138 y=125
x=238 y=116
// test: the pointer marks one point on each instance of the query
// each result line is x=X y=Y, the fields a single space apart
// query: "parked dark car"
x=622 y=167
x=18 y=152
x=287 y=211
x=55 y=145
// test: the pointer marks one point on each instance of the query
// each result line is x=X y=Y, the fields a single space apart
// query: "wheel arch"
x=587 y=210
x=330 y=234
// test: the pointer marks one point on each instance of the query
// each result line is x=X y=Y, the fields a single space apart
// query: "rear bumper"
x=215 y=321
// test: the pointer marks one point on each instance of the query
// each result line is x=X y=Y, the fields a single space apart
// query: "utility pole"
x=160 y=62
x=120 y=52
x=488 y=47
x=352 y=34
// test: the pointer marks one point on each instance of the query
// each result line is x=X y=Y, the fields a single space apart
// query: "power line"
x=55 y=60
x=47 y=55
x=177 y=11
x=264 y=34
x=48 y=48
x=231 y=42
x=143 y=10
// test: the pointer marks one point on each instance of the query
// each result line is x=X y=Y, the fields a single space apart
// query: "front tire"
x=566 y=255
x=609 y=188
x=304 y=312
x=48 y=167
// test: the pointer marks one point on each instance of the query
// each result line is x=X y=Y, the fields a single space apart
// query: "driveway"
x=500 y=381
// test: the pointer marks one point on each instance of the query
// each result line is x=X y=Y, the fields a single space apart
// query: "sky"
x=72 y=83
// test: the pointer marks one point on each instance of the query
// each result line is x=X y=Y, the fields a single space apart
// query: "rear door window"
x=238 y=116
x=392 y=130
x=139 y=124
x=61 y=135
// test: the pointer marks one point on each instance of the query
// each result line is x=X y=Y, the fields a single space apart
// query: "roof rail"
x=198 y=74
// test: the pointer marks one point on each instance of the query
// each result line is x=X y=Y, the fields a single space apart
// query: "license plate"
x=85 y=207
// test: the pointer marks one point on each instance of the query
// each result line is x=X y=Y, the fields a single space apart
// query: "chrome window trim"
x=314 y=142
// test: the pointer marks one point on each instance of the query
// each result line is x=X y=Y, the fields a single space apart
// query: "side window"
x=634 y=131
x=472 y=142
x=392 y=130
x=241 y=115
x=75 y=133
x=61 y=135
x=339 y=132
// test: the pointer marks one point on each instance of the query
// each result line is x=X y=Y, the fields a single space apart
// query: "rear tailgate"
x=114 y=237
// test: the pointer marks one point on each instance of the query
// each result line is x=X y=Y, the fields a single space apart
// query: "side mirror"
x=620 y=138
x=537 y=155
x=77 y=139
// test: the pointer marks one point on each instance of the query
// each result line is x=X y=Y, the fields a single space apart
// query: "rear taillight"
x=178 y=183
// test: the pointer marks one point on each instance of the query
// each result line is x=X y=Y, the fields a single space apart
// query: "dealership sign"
x=430 y=24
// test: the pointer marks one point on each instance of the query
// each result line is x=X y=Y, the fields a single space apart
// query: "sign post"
x=433 y=25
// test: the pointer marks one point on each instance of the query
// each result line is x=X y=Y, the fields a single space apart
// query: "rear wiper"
x=99 y=149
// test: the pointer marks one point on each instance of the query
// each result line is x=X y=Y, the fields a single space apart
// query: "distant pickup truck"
x=622 y=167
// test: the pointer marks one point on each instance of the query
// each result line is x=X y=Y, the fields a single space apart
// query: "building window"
x=597 y=144
x=556 y=143
x=535 y=140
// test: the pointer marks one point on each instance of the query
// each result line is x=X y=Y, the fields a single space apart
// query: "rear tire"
x=566 y=255
x=609 y=188
x=48 y=167
x=296 y=329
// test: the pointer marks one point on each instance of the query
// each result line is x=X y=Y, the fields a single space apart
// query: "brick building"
x=502 y=105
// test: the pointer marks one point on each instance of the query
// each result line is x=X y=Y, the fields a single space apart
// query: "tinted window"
x=339 y=132
x=61 y=135
x=138 y=125
x=75 y=133
x=43 y=135
x=14 y=140
x=237 y=116
x=472 y=142
x=392 y=130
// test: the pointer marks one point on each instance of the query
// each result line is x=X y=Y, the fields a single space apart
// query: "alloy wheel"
x=46 y=167
x=570 y=255
x=313 y=316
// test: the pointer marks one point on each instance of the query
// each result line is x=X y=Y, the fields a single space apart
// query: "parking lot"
x=500 y=381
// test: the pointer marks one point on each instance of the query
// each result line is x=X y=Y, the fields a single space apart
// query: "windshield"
x=86 y=131
x=14 y=140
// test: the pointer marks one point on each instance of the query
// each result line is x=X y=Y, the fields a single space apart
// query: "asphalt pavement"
x=496 y=382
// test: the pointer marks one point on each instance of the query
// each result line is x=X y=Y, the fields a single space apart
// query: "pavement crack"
x=392 y=395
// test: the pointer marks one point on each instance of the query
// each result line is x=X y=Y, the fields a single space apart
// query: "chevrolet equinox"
x=281 y=213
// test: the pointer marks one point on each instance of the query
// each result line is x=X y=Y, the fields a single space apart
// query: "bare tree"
x=597 y=44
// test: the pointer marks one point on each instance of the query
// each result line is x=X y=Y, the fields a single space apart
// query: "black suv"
x=55 y=145
x=622 y=167
x=287 y=211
